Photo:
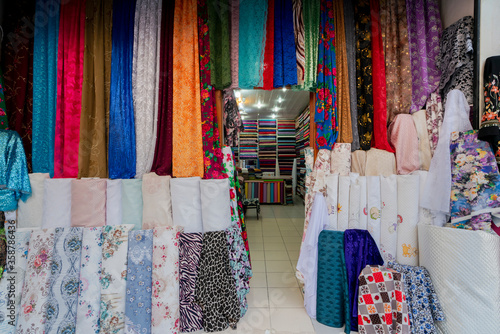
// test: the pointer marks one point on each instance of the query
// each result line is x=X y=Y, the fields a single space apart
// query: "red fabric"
x=69 y=88
x=379 y=139
x=268 y=74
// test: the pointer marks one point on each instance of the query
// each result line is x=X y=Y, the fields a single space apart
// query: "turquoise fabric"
x=132 y=203
x=332 y=302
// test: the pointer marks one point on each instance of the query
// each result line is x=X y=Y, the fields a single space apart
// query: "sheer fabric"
x=285 y=60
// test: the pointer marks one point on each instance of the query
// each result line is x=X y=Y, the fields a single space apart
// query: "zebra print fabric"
x=298 y=25
x=191 y=315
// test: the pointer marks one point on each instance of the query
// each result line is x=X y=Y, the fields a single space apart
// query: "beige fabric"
x=30 y=213
x=380 y=162
x=358 y=162
x=88 y=202
x=156 y=201
x=424 y=146
x=404 y=139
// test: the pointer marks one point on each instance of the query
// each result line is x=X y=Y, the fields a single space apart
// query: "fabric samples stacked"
x=267 y=145
x=286 y=146
x=249 y=141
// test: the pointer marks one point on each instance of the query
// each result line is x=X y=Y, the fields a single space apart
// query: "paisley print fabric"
x=113 y=278
x=165 y=299
x=61 y=306
x=32 y=316
x=89 y=294
x=139 y=281
x=215 y=288
x=191 y=316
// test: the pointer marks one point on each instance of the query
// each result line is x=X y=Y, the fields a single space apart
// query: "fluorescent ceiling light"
x=237 y=94
x=284 y=89
x=280 y=100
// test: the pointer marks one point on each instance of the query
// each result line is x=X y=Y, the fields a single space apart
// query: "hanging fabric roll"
x=212 y=158
x=162 y=162
x=252 y=37
x=234 y=41
x=408 y=216
x=17 y=60
x=4 y=121
x=156 y=201
x=327 y=126
x=364 y=88
x=56 y=203
x=145 y=81
x=218 y=29
x=94 y=121
x=389 y=218
x=312 y=21
x=121 y=150
x=379 y=139
x=233 y=124
x=285 y=59
x=69 y=88
x=268 y=71
x=88 y=202
x=394 y=29
x=44 y=88
x=424 y=33
x=298 y=29
x=490 y=125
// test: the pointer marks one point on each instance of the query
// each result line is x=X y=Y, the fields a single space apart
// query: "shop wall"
x=453 y=10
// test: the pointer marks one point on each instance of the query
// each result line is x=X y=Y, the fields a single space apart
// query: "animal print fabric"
x=215 y=289
x=191 y=316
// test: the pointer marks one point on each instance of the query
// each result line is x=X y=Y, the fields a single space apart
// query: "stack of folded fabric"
x=267 y=145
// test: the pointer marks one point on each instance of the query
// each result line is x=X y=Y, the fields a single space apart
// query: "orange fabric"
x=187 y=155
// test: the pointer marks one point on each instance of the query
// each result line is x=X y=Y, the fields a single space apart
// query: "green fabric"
x=311 y=27
x=220 y=52
x=4 y=123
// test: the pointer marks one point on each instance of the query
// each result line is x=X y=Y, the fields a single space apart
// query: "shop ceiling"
x=277 y=103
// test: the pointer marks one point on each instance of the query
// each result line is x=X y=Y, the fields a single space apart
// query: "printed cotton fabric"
x=404 y=138
x=389 y=218
x=423 y=302
x=132 y=203
x=434 y=113
x=156 y=201
x=408 y=217
x=186 y=204
x=139 y=282
x=382 y=304
x=374 y=204
x=30 y=214
x=233 y=124
x=215 y=289
x=340 y=161
x=56 y=203
x=343 y=203
x=424 y=148
x=490 y=121
x=88 y=202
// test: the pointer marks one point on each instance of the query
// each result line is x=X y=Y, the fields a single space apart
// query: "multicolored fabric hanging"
x=285 y=59
x=326 y=91
x=351 y=62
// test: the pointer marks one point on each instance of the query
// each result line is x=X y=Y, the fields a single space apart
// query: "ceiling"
x=292 y=103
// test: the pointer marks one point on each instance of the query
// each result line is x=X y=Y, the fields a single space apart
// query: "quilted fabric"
x=332 y=303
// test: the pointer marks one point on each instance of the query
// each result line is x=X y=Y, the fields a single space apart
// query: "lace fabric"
x=311 y=36
x=285 y=59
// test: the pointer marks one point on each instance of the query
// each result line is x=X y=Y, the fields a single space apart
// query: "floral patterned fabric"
x=139 y=279
x=326 y=91
x=233 y=124
x=165 y=299
x=475 y=180
x=434 y=115
x=113 y=278
x=422 y=299
x=340 y=161
x=89 y=294
x=32 y=316
x=490 y=122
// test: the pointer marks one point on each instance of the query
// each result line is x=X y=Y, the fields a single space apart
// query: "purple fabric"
x=424 y=34
x=360 y=250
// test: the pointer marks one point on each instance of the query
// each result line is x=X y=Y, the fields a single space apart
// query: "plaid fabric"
x=382 y=306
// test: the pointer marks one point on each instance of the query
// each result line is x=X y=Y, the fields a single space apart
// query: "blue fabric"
x=122 y=154
x=45 y=85
x=132 y=203
x=139 y=282
x=285 y=56
x=360 y=250
x=252 y=41
x=14 y=180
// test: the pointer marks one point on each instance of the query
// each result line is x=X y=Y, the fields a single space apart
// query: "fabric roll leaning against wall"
x=490 y=124
x=156 y=201
x=56 y=203
x=30 y=213
x=408 y=218
x=424 y=147
x=404 y=138
x=88 y=202
x=94 y=120
x=434 y=113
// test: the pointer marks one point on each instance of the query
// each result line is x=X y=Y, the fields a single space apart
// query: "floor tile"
x=256 y=254
x=276 y=256
x=259 y=280
x=256 y=320
x=276 y=246
x=256 y=245
x=284 y=266
x=290 y=233
x=291 y=320
x=258 y=266
x=272 y=239
x=258 y=297
x=285 y=297
x=292 y=246
x=322 y=329
x=272 y=233
x=281 y=280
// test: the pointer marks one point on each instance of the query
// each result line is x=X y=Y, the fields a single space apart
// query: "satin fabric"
x=94 y=120
x=88 y=202
x=311 y=36
x=285 y=60
x=219 y=31
x=121 y=149
x=45 y=88
x=187 y=155
x=69 y=88
x=162 y=162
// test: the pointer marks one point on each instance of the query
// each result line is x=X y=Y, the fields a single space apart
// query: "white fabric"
x=186 y=203
x=30 y=212
x=374 y=207
x=308 y=259
x=332 y=185
x=114 y=202
x=363 y=207
x=389 y=218
x=156 y=201
x=56 y=203
x=215 y=205
x=436 y=195
x=464 y=267
x=424 y=215
x=424 y=146
x=408 y=187
x=343 y=203
x=354 y=202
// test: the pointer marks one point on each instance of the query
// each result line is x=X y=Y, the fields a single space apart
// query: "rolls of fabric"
x=363 y=207
x=340 y=161
x=408 y=216
x=343 y=203
x=354 y=202
x=186 y=204
x=114 y=202
x=458 y=258
x=358 y=162
x=332 y=186
x=404 y=138
x=132 y=203
x=156 y=201
x=374 y=204
x=424 y=147
x=56 y=203
x=380 y=162
x=215 y=205
x=88 y=202
x=30 y=213
x=389 y=218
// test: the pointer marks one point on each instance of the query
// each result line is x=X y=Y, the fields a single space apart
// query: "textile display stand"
x=269 y=191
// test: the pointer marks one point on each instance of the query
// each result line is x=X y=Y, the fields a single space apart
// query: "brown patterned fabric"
x=397 y=57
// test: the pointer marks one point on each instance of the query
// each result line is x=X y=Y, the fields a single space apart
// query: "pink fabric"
x=88 y=202
x=404 y=138
x=69 y=88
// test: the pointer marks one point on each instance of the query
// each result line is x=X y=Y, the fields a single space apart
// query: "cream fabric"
x=354 y=202
x=332 y=185
x=424 y=146
x=56 y=203
x=389 y=218
x=358 y=162
x=340 y=161
x=88 y=202
x=215 y=205
x=156 y=201
x=380 y=162
x=30 y=213
x=374 y=207
x=408 y=215
x=343 y=203
x=114 y=202
x=363 y=206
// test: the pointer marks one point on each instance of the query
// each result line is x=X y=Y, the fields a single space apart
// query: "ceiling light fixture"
x=273 y=115
x=280 y=100
x=237 y=94
x=275 y=109
x=259 y=105
x=284 y=88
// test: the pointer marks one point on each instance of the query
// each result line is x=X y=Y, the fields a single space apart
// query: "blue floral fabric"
x=139 y=282
x=421 y=297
